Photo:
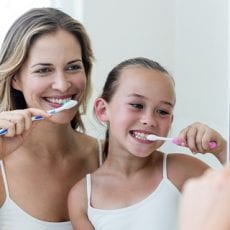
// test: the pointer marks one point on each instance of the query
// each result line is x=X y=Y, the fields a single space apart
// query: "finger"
x=183 y=137
x=200 y=141
x=191 y=139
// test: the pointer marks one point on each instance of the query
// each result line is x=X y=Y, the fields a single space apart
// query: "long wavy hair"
x=16 y=46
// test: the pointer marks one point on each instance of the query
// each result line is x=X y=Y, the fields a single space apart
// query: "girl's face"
x=142 y=104
x=53 y=73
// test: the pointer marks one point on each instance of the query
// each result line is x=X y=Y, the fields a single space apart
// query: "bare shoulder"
x=77 y=198
x=182 y=167
x=77 y=206
x=78 y=192
x=88 y=148
x=2 y=189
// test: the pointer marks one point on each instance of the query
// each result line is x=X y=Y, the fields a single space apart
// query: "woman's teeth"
x=58 y=100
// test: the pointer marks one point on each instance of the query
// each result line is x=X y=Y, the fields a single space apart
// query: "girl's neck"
x=128 y=166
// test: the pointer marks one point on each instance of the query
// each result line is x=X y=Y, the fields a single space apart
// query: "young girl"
x=138 y=187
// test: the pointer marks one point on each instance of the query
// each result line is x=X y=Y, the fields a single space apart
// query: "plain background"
x=189 y=38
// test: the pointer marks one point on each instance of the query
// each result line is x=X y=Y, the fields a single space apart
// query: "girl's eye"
x=137 y=106
x=163 y=112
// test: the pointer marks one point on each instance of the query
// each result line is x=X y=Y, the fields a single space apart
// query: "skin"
x=49 y=152
x=143 y=103
x=207 y=200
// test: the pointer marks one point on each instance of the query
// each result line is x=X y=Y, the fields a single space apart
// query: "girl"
x=138 y=187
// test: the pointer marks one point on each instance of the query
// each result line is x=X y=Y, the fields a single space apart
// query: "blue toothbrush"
x=67 y=105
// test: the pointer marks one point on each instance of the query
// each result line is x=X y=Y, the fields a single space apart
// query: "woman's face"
x=53 y=72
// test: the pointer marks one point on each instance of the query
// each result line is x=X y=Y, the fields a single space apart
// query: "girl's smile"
x=142 y=104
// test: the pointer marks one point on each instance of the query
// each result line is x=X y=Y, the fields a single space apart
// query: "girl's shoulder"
x=181 y=167
x=77 y=198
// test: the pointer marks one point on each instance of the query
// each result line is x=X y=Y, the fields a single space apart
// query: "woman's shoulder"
x=89 y=143
x=182 y=167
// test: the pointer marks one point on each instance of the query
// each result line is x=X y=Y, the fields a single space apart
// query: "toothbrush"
x=175 y=140
x=68 y=105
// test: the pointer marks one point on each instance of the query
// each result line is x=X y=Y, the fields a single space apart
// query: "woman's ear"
x=15 y=83
x=172 y=119
x=101 y=110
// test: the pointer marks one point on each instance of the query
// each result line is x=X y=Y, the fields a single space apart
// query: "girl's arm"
x=77 y=206
x=197 y=137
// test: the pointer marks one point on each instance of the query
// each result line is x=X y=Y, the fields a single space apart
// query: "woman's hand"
x=197 y=138
x=18 y=124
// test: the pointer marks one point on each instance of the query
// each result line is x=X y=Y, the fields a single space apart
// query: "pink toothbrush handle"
x=211 y=144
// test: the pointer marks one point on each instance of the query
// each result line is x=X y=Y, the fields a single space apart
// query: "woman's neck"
x=50 y=140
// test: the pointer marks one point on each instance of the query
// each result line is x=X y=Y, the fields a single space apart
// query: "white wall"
x=189 y=38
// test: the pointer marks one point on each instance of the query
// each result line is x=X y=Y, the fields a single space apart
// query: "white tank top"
x=158 y=211
x=12 y=217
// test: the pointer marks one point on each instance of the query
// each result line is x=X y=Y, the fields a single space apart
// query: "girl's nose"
x=61 y=83
x=148 y=119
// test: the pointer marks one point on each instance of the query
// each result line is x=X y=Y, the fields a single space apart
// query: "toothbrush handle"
x=4 y=131
x=211 y=144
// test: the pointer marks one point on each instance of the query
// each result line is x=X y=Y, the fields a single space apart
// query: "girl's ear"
x=15 y=83
x=100 y=108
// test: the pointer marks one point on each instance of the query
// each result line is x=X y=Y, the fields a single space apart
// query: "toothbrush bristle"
x=69 y=104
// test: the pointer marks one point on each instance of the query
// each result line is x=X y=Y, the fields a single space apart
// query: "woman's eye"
x=43 y=70
x=73 y=67
x=137 y=106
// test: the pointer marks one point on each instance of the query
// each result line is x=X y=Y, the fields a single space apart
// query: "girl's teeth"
x=140 y=136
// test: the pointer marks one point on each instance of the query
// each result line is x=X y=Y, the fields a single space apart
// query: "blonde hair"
x=16 y=45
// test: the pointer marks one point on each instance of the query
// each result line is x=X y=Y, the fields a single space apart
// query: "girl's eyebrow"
x=142 y=97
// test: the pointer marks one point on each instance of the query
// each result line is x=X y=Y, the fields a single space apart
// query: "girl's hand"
x=205 y=203
x=197 y=137
x=18 y=124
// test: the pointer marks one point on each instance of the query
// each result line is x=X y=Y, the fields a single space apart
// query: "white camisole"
x=12 y=217
x=158 y=211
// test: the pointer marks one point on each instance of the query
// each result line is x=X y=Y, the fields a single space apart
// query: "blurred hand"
x=205 y=203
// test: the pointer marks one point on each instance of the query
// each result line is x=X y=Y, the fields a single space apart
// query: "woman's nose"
x=61 y=82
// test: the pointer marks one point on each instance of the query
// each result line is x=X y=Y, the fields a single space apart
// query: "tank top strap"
x=100 y=152
x=4 y=178
x=88 y=188
x=165 y=175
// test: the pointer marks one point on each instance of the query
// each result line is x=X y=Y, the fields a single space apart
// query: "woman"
x=46 y=60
